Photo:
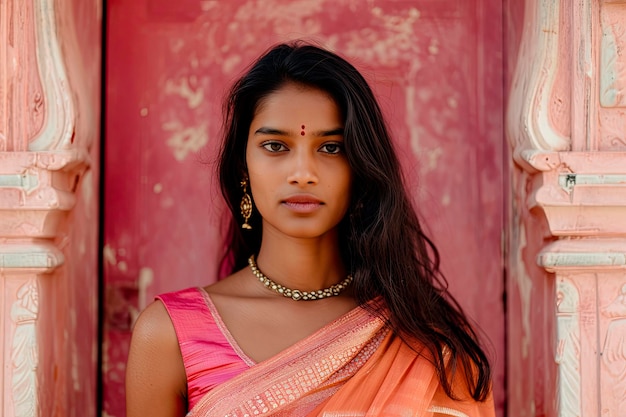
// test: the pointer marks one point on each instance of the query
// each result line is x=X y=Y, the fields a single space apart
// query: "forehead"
x=297 y=104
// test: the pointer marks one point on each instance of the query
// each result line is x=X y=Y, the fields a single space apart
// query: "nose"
x=303 y=169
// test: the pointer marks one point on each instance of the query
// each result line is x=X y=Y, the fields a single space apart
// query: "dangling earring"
x=245 y=206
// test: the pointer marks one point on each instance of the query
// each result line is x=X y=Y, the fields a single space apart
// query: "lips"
x=302 y=203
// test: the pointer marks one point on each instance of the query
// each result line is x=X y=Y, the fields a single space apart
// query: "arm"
x=156 y=382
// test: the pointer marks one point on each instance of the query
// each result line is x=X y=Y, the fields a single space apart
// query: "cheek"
x=255 y=187
x=347 y=178
x=260 y=186
x=259 y=171
x=346 y=186
x=252 y=167
x=257 y=163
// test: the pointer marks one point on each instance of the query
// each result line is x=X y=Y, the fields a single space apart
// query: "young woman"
x=335 y=305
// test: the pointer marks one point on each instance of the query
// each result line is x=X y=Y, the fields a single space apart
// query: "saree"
x=355 y=366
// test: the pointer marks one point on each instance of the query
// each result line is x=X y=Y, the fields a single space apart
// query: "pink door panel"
x=436 y=66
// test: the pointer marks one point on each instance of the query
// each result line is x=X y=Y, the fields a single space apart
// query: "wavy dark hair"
x=382 y=242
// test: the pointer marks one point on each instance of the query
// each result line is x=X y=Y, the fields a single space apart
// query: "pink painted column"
x=566 y=125
x=49 y=134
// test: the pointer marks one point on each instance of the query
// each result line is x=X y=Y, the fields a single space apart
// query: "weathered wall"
x=436 y=67
x=49 y=174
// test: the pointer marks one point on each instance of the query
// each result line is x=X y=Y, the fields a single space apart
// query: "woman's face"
x=298 y=172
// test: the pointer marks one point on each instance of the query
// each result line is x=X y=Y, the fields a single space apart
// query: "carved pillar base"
x=19 y=314
x=583 y=197
x=591 y=324
x=35 y=198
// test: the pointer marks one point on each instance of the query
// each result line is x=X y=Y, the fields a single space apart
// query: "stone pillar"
x=49 y=153
x=566 y=124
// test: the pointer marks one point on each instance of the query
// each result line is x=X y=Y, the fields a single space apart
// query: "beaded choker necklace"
x=297 y=295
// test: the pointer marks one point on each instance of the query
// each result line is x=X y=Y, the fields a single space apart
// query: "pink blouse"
x=210 y=354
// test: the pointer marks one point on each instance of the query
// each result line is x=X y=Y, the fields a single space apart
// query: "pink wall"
x=436 y=66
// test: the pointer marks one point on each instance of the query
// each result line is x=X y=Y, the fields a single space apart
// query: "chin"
x=306 y=234
x=301 y=228
x=307 y=231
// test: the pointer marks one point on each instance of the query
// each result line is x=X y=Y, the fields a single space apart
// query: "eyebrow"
x=321 y=133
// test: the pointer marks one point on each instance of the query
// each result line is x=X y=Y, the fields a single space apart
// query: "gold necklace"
x=297 y=295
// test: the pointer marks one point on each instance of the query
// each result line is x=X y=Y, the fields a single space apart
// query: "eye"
x=332 y=148
x=274 y=146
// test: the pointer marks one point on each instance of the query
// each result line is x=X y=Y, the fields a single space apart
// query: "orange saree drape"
x=353 y=367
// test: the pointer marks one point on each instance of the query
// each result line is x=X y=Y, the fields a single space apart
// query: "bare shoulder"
x=154 y=325
x=155 y=374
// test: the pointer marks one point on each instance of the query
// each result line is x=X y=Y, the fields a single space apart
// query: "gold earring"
x=245 y=206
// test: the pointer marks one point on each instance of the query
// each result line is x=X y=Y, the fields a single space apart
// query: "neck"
x=303 y=264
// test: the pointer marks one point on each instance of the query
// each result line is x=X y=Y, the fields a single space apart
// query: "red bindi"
x=302 y=133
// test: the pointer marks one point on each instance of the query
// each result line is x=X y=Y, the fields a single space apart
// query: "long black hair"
x=382 y=242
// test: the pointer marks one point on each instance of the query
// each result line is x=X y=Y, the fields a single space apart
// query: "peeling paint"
x=145 y=280
x=207 y=5
x=109 y=255
x=433 y=48
x=110 y=258
x=433 y=156
x=158 y=188
x=185 y=139
x=184 y=88
x=230 y=63
x=143 y=112
x=409 y=102
x=122 y=266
